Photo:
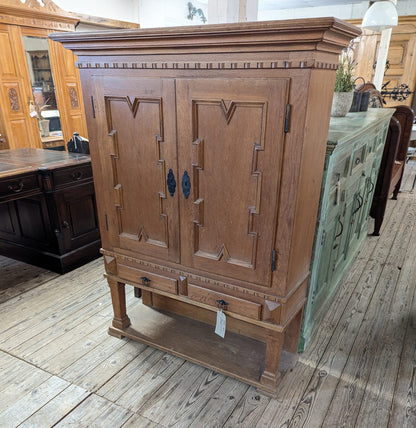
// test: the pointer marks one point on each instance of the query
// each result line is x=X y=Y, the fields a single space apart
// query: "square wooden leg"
x=118 y=299
x=271 y=374
x=292 y=334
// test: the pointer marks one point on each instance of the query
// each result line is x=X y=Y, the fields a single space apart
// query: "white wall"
x=346 y=11
x=168 y=13
x=163 y=13
x=121 y=10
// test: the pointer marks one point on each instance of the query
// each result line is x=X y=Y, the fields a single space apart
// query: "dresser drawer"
x=358 y=158
x=340 y=169
x=19 y=186
x=234 y=304
x=151 y=280
x=72 y=175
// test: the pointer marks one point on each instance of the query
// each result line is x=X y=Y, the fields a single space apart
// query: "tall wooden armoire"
x=401 y=66
x=208 y=145
x=37 y=71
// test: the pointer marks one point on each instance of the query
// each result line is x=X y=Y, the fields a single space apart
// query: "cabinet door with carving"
x=21 y=129
x=230 y=138
x=135 y=128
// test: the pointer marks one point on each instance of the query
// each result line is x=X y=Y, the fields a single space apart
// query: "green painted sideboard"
x=354 y=150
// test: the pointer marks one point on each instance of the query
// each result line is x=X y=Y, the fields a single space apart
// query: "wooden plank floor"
x=58 y=366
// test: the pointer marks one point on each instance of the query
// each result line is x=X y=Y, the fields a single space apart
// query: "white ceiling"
x=292 y=4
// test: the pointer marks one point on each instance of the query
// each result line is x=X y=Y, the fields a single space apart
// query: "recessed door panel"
x=231 y=134
x=140 y=124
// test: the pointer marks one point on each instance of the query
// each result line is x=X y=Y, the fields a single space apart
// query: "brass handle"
x=16 y=189
x=65 y=224
x=77 y=175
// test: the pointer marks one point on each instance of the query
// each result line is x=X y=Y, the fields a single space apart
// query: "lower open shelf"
x=237 y=356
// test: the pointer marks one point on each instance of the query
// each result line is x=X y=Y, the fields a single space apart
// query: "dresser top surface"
x=353 y=124
x=20 y=161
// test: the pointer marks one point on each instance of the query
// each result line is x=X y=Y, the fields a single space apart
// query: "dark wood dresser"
x=47 y=208
x=208 y=145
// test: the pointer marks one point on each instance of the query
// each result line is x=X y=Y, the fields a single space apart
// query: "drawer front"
x=151 y=280
x=340 y=169
x=358 y=158
x=72 y=175
x=19 y=186
x=234 y=304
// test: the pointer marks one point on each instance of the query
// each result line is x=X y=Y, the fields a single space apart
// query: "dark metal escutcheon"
x=171 y=182
x=186 y=184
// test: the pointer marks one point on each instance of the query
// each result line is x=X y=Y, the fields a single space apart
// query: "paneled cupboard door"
x=230 y=139
x=140 y=134
x=226 y=222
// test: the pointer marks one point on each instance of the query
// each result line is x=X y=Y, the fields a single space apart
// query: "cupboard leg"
x=397 y=189
x=137 y=292
x=274 y=345
x=118 y=299
x=292 y=333
x=377 y=225
x=147 y=298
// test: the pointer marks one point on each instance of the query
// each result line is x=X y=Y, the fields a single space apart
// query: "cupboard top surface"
x=317 y=34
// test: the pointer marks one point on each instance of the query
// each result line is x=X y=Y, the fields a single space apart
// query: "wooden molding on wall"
x=104 y=22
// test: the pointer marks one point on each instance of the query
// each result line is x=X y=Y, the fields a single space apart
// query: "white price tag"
x=33 y=114
x=220 y=326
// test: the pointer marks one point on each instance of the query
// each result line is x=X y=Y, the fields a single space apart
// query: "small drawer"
x=234 y=304
x=139 y=277
x=72 y=175
x=358 y=158
x=19 y=186
x=340 y=169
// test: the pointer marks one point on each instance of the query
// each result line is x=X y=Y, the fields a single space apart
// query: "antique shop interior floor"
x=58 y=365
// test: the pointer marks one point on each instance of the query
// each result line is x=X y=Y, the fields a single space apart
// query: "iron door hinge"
x=274 y=256
x=93 y=107
x=287 y=118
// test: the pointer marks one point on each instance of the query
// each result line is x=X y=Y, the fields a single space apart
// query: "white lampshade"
x=380 y=16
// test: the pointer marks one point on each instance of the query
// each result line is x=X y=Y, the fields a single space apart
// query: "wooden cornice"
x=327 y=35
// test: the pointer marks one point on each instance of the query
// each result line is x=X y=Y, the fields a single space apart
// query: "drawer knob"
x=77 y=175
x=222 y=304
x=145 y=280
x=17 y=188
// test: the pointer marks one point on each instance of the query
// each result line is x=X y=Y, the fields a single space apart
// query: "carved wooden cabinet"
x=35 y=70
x=354 y=150
x=400 y=68
x=48 y=214
x=207 y=146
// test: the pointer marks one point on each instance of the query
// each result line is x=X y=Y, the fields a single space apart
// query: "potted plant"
x=344 y=86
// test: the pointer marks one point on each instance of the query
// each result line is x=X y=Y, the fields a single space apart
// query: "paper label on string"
x=32 y=114
x=220 y=325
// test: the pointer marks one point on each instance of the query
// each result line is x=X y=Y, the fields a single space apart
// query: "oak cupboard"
x=207 y=146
